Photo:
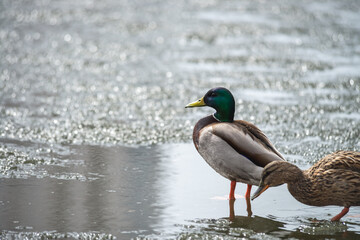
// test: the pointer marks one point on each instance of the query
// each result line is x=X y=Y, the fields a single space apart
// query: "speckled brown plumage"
x=334 y=180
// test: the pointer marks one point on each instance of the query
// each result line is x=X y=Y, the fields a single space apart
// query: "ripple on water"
x=323 y=228
x=208 y=229
x=121 y=72
x=24 y=160
x=65 y=85
x=54 y=235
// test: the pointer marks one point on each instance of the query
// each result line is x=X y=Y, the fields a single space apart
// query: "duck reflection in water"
x=232 y=210
x=256 y=223
x=279 y=229
x=235 y=149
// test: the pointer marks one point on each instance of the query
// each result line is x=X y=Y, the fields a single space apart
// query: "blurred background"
x=95 y=141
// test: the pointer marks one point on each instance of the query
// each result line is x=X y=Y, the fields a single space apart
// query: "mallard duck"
x=237 y=150
x=334 y=180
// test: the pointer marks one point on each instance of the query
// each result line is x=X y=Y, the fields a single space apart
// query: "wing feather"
x=240 y=136
x=346 y=160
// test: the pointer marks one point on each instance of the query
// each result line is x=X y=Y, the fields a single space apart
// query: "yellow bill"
x=198 y=103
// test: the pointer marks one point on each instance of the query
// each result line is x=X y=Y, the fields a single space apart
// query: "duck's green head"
x=221 y=100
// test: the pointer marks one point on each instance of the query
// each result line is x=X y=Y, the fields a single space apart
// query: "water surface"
x=164 y=191
x=95 y=141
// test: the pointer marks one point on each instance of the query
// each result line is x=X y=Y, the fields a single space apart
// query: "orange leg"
x=247 y=198
x=248 y=190
x=341 y=214
x=232 y=190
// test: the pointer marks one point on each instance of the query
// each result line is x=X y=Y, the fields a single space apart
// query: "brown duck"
x=334 y=180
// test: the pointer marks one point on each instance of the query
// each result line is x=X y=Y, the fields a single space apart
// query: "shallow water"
x=164 y=191
x=94 y=138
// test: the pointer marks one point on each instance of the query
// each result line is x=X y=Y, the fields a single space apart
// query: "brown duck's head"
x=275 y=174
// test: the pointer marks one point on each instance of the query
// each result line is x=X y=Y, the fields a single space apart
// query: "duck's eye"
x=213 y=94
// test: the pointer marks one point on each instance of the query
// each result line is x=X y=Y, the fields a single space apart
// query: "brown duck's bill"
x=259 y=191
